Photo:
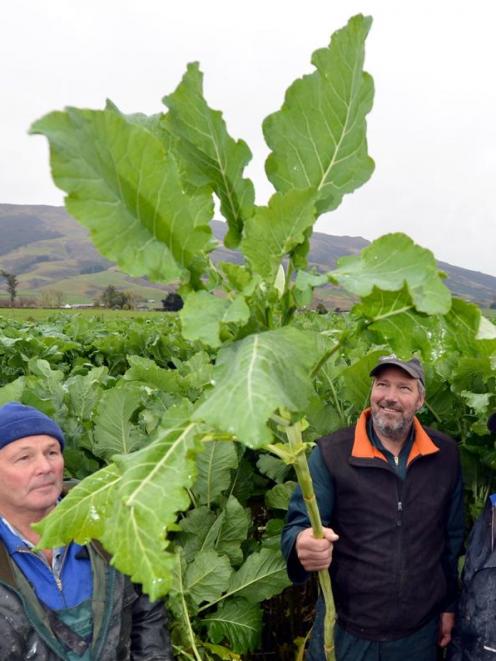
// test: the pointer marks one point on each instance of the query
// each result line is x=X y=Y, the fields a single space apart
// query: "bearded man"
x=390 y=495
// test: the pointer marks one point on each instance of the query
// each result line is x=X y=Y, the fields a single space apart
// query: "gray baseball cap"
x=413 y=367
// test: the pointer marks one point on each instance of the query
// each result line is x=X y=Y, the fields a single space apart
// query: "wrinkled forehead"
x=36 y=443
x=393 y=372
x=397 y=375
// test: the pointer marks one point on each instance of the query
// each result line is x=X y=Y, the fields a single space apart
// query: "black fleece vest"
x=387 y=576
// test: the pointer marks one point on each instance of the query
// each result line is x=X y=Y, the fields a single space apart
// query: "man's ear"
x=422 y=402
x=421 y=394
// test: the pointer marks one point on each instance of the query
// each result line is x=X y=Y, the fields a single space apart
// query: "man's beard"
x=395 y=429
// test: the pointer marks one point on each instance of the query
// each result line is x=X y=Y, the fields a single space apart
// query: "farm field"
x=189 y=432
x=115 y=381
x=34 y=314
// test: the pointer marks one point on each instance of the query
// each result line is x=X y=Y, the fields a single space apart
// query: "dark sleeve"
x=149 y=634
x=455 y=651
x=455 y=530
x=297 y=517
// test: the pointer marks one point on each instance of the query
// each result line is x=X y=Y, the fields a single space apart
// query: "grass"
x=35 y=314
x=86 y=288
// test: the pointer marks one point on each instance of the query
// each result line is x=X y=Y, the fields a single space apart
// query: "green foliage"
x=143 y=185
x=207 y=577
x=185 y=504
x=239 y=622
x=114 y=432
x=389 y=264
x=266 y=238
x=207 y=152
x=94 y=409
x=214 y=467
x=126 y=188
x=206 y=317
x=318 y=138
x=251 y=382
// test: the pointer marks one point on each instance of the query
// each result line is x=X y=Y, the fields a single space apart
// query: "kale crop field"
x=120 y=384
x=189 y=432
x=36 y=314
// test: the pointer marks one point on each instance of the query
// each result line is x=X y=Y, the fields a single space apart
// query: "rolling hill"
x=50 y=252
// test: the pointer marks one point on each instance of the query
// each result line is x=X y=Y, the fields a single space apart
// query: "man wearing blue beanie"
x=63 y=603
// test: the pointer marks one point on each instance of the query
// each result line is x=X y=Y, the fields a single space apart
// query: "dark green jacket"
x=474 y=637
x=126 y=626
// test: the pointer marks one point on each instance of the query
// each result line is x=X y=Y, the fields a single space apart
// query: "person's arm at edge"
x=149 y=634
x=456 y=647
x=297 y=517
x=455 y=530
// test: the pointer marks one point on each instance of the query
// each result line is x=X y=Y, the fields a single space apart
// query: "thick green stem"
x=434 y=413
x=325 y=358
x=270 y=318
x=337 y=401
x=187 y=621
x=179 y=650
x=392 y=313
x=306 y=484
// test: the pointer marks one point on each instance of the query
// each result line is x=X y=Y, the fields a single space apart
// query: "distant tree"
x=493 y=305
x=133 y=299
x=321 y=308
x=51 y=298
x=112 y=297
x=26 y=302
x=12 y=283
x=117 y=300
x=172 y=302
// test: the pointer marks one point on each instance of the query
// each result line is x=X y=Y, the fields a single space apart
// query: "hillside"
x=51 y=252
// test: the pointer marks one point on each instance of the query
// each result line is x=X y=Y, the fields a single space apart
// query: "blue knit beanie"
x=18 y=421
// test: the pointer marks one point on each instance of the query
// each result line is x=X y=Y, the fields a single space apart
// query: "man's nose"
x=43 y=465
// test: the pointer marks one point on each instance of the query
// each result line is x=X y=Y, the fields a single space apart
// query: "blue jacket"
x=126 y=625
x=66 y=584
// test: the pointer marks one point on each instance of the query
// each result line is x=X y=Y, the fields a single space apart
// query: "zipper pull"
x=58 y=582
x=396 y=460
x=400 y=509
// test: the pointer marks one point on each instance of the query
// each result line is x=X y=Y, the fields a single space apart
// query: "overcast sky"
x=432 y=131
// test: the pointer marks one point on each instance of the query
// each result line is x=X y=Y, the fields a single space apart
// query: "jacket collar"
x=6 y=573
x=363 y=448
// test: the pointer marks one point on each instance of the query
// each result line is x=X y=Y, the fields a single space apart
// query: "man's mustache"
x=390 y=405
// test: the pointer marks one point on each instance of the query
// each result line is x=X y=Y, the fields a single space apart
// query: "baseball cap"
x=413 y=367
